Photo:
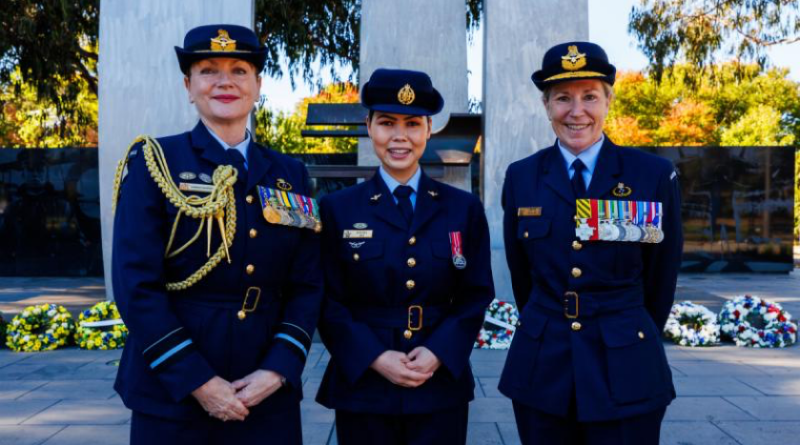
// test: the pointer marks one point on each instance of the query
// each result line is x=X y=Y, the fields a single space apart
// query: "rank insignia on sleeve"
x=621 y=191
x=355 y=234
x=289 y=209
x=529 y=211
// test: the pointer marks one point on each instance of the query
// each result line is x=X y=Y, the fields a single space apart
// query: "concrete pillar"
x=423 y=35
x=517 y=34
x=141 y=86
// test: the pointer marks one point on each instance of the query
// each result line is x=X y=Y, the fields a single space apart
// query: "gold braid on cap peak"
x=219 y=205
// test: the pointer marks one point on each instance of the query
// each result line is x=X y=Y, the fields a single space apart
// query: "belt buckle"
x=566 y=304
x=411 y=328
x=242 y=314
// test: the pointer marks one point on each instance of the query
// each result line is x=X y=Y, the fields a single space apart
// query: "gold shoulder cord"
x=219 y=205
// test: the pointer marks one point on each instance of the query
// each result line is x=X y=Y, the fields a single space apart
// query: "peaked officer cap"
x=402 y=92
x=574 y=61
x=209 y=41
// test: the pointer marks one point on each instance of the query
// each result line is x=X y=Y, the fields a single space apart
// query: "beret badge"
x=573 y=60
x=406 y=95
x=223 y=42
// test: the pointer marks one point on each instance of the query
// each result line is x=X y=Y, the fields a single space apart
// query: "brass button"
x=411 y=262
x=253 y=233
x=576 y=326
x=410 y=284
x=356 y=257
x=250 y=269
x=412 y=241
x=249 y=199
x=641 y=335
x=576 y=245
x=525 y=235
x=576 y=272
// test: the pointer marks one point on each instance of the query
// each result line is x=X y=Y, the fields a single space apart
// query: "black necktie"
x=403 y=194
x=578 y=186
x=236 y=159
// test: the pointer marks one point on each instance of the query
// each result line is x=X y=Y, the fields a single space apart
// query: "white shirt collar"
x=588 y=156
x=241 y=146
x=392 y=183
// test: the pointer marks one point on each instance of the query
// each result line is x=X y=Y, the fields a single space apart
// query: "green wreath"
x=101 y=327
x=40 y=328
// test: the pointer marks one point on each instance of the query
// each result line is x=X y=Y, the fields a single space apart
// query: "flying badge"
x=198 y=188
x=621 y=191
x=375 y=198
x=457 y=249
x=433 y=194
x=283 y=185
x=357 y=245
x=360 y=226
x=205 y=178
x=351 y=234
x=187 y=176
x=529 y=211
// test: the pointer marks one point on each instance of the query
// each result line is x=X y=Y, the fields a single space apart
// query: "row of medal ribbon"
x=289 y=209
x=609 y=220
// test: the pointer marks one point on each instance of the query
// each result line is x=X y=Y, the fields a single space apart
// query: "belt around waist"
x=228 y=300
x=400 y=317
x=588 y=303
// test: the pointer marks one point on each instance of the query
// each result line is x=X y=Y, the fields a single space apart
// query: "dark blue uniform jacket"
x=179 y=340
x=371 y=282
x=613 y=365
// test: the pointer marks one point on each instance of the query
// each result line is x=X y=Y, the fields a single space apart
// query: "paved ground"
x=726 y=395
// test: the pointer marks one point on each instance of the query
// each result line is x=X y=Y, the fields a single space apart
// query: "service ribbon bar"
x=289 y=209
x=612 y=220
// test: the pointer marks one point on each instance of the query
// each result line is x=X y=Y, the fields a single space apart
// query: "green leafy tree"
x=698 y=31
x=281 y=131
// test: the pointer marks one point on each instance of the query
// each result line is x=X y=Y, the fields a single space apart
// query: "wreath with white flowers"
x=752 y=322
x=692 y=324
x=42 y=327
x=101 y=327
x=499 y=325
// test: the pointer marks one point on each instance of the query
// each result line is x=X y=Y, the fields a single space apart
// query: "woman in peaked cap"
x=593 y=241
x=220 y=296
x=407 y=279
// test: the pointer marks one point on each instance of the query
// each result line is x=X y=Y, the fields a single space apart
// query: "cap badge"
x=406 y=95
x=573 y=60
x=223 y=42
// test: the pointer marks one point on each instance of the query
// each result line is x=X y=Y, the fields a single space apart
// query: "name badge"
x=350 y=234
x=200 y=188
x=529 y=211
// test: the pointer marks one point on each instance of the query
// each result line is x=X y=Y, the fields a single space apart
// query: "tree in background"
x=698 y=31
x=281 y=131
x=734 y=105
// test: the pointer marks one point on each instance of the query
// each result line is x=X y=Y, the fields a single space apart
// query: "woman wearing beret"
x=593 y=240
x=221 y=303
x=407 y=280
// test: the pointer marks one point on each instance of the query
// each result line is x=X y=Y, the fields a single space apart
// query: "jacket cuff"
x=284 y=359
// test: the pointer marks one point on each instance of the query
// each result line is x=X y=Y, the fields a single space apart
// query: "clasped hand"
x=230 y=401
x=409 y=370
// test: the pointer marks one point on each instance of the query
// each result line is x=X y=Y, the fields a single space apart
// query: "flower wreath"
x=3 y=326
x=42 y=327
x=498 y=327
x=692 y=324
x=101 y=327
x=753 y=322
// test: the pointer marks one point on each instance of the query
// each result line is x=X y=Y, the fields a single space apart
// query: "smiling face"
x=399 y=141
x=577 y=110
x=223 y=89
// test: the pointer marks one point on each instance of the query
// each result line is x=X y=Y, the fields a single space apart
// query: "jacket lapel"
x=607 y=171
x=427 y=202
x=555 y=175
x=210 y=150
x=257 y=164
x=382 y=203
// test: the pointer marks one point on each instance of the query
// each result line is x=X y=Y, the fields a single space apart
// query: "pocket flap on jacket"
x=618 y=331
x=366 y=250
x=533 y=228
x=533 y=323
